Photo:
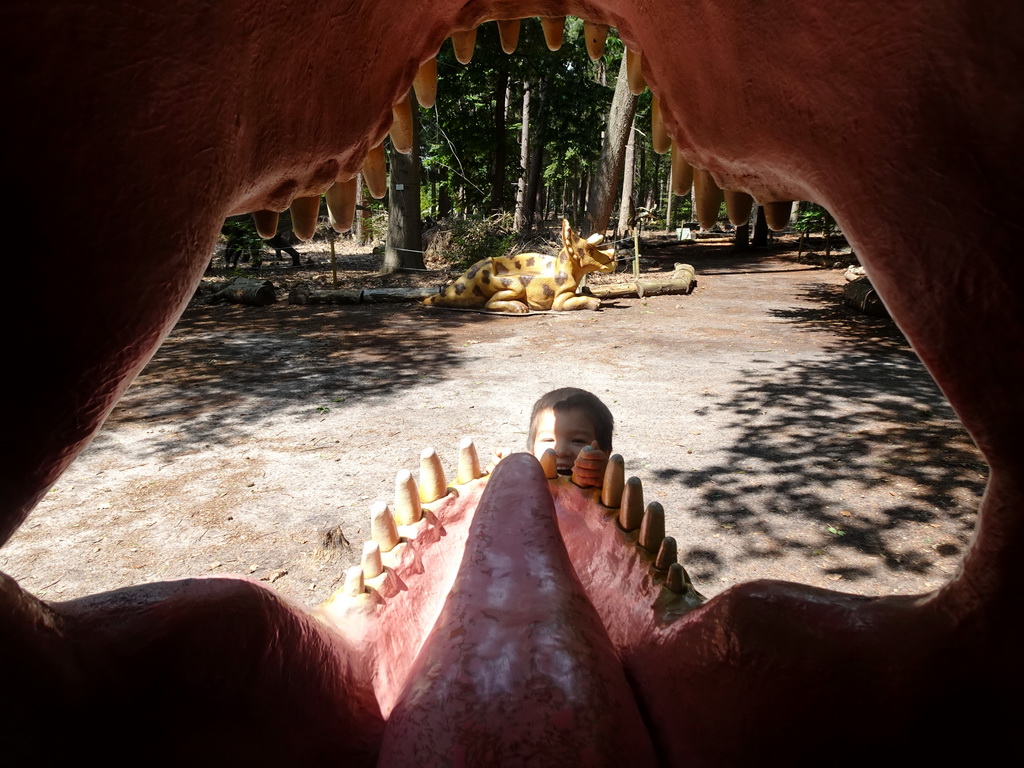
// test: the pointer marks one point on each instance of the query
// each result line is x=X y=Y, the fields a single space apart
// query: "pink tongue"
x=518 y=669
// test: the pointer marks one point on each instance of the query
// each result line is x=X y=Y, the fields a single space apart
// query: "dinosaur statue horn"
x=595 y=238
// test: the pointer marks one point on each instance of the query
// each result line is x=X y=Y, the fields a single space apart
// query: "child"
x=567 y=420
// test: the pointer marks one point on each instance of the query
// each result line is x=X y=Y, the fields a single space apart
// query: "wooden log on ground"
x=306 y=295
x=246 y=290
x=303 y=294
x=680 y=282
x=861 y=295
x=374 y=295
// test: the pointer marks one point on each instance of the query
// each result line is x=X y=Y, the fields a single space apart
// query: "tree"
x=760 y=229
x=627 y=181
x=404 y=246
x=520 y=221
x=605 y=181
x=500 y=142
x=463 y=148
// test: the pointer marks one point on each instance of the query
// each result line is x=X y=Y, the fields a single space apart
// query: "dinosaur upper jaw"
x=152 y=123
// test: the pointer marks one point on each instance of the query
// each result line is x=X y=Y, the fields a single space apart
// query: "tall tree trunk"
x=444 y=202
x=760 y=229
x=500 y=151
x=642 y=174
x=520 y=221
x=581 y=201
x=536 y=161
x=668 y=204
x=359 y=233
x=741 y=241
x=627 y=180
x=605 y=182
x=404 y=246
x=533 y=188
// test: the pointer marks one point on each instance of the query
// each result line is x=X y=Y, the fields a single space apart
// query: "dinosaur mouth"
x=157 y=124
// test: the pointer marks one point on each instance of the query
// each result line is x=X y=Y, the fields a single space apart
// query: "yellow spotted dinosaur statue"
x=530 y=281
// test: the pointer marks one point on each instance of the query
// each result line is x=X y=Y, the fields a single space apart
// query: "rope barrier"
x=414 y=250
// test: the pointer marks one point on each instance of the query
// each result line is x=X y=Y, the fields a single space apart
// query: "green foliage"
x=376 y=226
x=240 y=234
x=814 y=218
x=243 y=234
x=473 y=239
x=458 y=138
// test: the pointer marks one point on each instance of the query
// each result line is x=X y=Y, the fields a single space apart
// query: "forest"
x=520 y=128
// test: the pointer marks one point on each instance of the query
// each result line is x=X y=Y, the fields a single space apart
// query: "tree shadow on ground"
x=223 y=368
x=816 y=435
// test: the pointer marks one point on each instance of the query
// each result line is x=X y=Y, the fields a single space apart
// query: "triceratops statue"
x=530 y=281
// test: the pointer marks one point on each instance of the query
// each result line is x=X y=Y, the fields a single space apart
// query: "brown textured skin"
x=171 y=673
x=136 y=127
x=529 y=281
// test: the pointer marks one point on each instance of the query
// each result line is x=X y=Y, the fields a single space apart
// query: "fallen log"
x=682 y=281
x=246 y=290
x=398 y=294
x=305 y=295
x=861 y=295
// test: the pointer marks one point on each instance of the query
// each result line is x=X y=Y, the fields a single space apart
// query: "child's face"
x=565 y=432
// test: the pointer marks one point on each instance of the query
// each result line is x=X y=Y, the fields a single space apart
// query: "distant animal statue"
x=530 y=281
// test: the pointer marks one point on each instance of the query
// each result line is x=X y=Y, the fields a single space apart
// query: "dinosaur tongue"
x=518 y=664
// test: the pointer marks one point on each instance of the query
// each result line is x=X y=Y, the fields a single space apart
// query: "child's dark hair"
x=569 y=398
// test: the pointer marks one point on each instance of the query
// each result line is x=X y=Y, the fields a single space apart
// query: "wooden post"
x=636 y=252
x=334 y=260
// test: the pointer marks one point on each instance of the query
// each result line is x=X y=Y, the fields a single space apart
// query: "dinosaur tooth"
x=549 y=463
x=433 y=485
x=382 y=527
x=463 y=43
x=424 y=85
x=614 y=479
x=682 y=172
x=777 y=214
x=554 y=31
x=469 y=462
x=372 y=565
x=508 y=31
x=634 y=72
x=707 y=197
x=597 y=37
x=652 y=529
x=305 y=212
x=407 y=499
x=354 y=584
x=341 y=204
x=401 y=127
x=266 y=223
x=667 y=554
x=659 y=136
x=631 y=513
x=375 y=172
x=677 y=579
x=737 y=206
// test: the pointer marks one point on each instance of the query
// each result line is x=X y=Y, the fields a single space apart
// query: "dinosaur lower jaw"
x=174 y=120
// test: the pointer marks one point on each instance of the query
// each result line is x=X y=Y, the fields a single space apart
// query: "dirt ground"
x=786 y=435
